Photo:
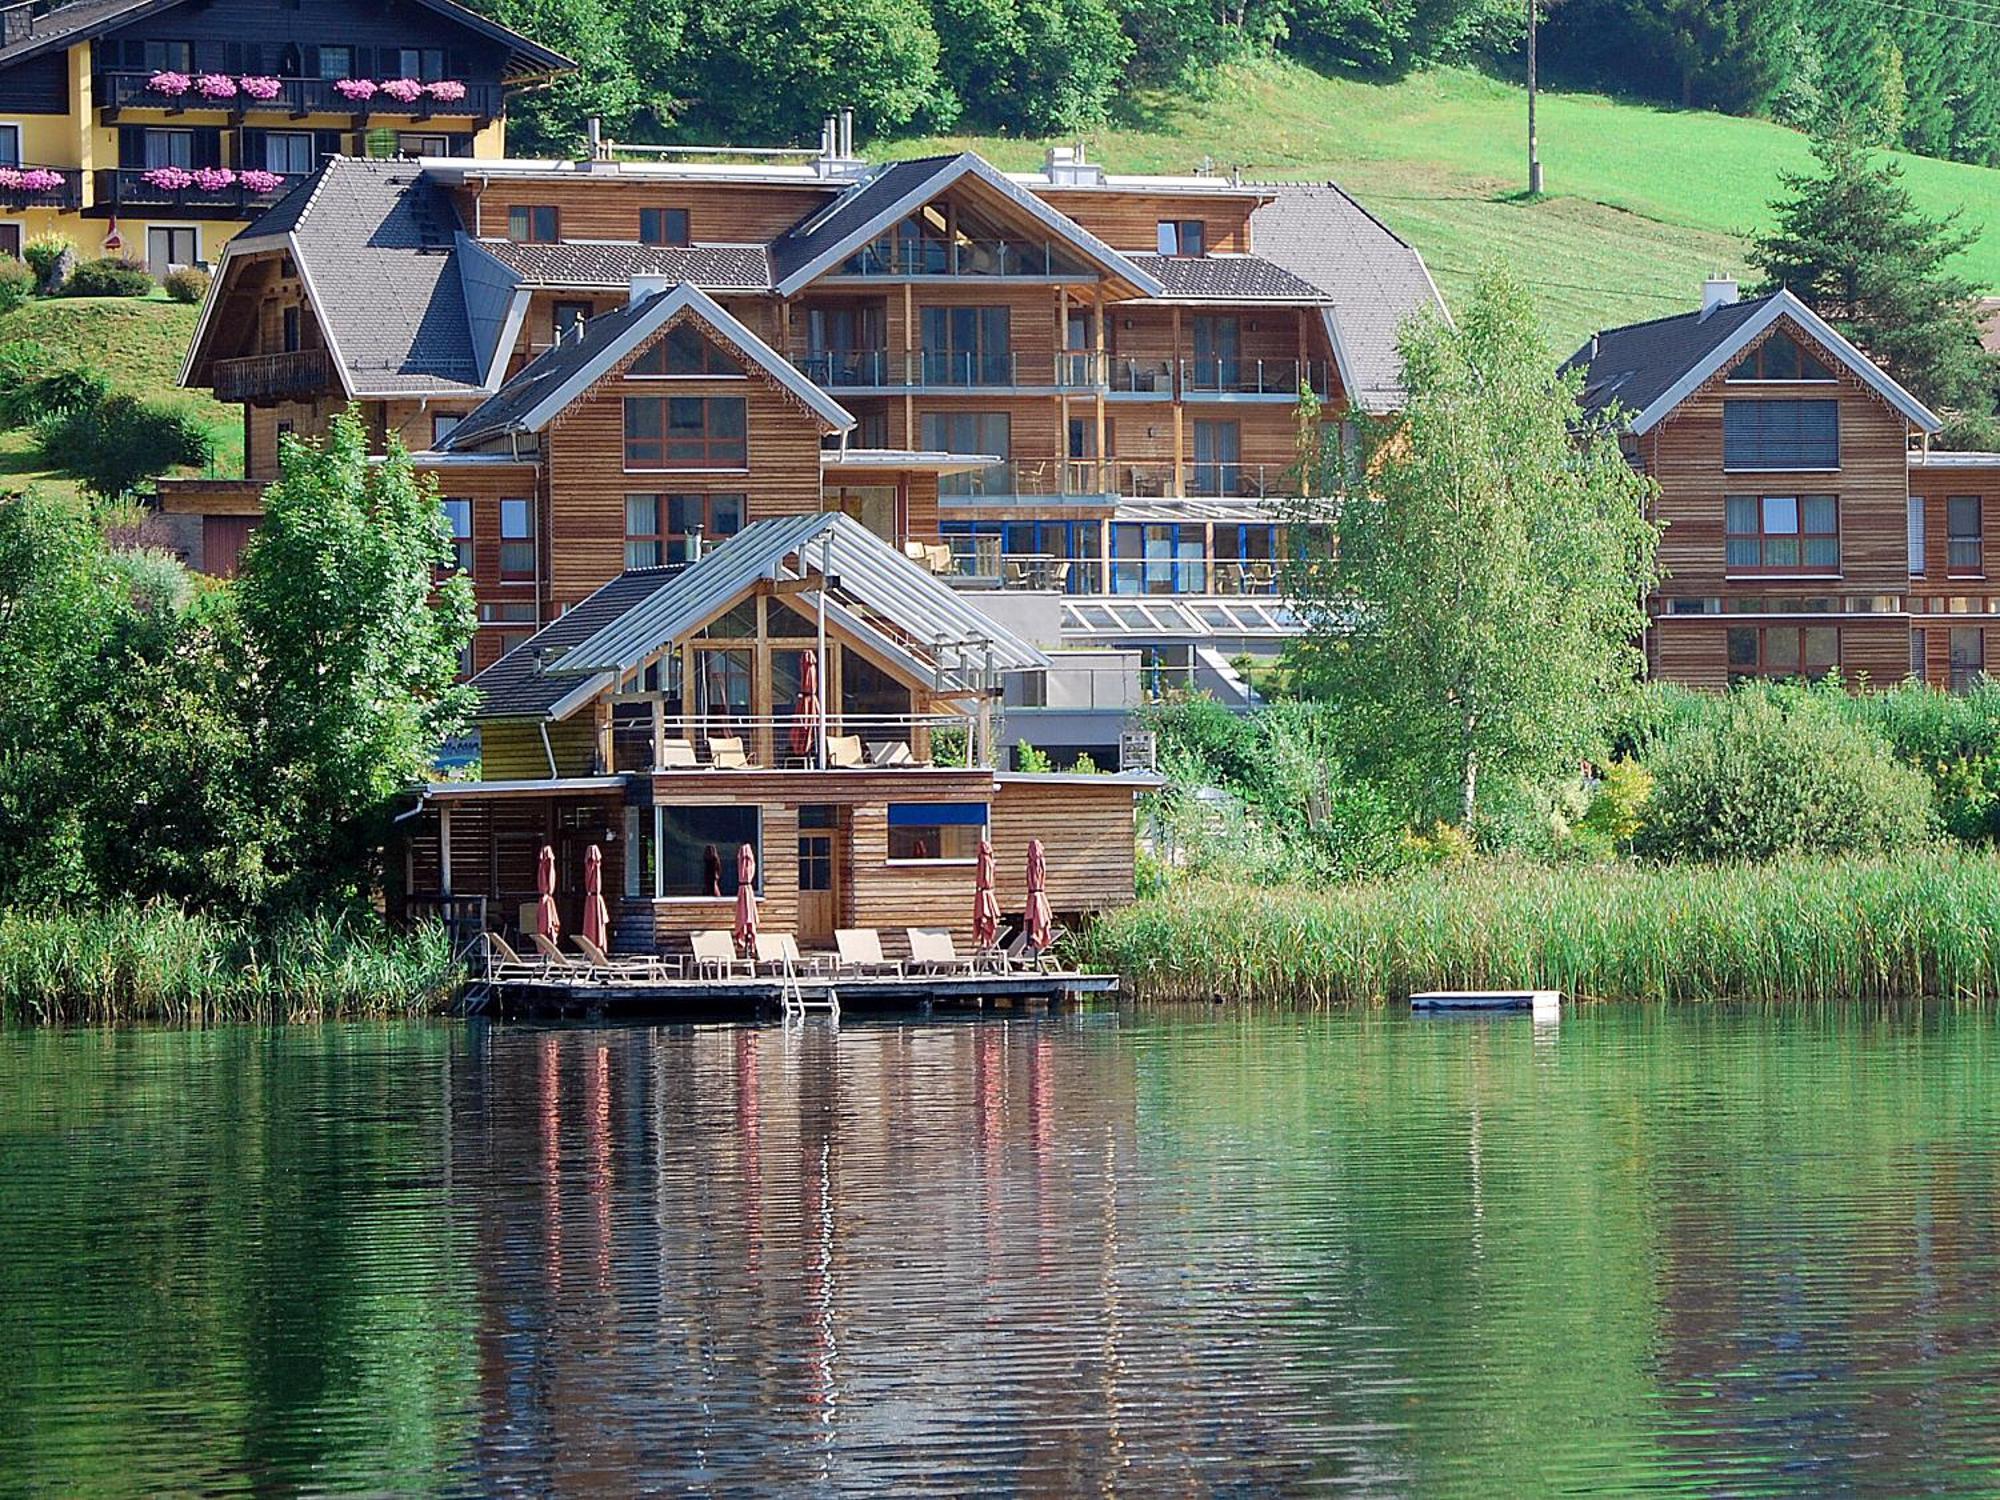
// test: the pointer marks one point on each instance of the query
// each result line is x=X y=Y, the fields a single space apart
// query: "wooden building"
x=1808 y=527
x=158 y=128
x=659 y=720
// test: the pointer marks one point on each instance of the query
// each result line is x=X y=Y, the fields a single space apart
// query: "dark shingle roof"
x=1233 y=277
x=1374 y=279
x=505 y=408
x=713 y=268
x=829 y=225
x=1637 y=364
x=376 y=241
x=528 y=681
x=69 y=21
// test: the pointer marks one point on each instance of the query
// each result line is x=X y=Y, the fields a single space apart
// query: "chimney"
x=645 y=286
x=593 y=130
x=1717 y=291
x=847 y=134
x=1069 y=166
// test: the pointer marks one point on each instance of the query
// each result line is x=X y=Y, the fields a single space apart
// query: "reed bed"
x=132 y=964
x=1920 y=927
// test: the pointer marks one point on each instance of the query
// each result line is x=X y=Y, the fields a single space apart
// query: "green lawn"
x=139 y=342
x=1641 y=202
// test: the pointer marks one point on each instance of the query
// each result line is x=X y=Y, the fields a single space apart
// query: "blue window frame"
x=1150 y=557
x=1077 y=543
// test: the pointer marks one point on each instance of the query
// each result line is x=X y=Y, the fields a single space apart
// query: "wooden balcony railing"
x=118 y=89
x=67 y=193
x=125 y=188
x=274 y=377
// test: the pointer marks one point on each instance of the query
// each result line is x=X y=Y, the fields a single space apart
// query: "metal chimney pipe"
x=846 y=132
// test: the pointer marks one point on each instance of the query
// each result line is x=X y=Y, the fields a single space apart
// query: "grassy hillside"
x=1641 y=202
x=139 y=343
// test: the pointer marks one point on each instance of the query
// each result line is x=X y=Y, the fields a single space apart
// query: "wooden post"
x=1062 y=369
x=659 y=730
x=1097 y=345
x=1175 y=386
x=909 y=348
x=761 y=705
x=688 y=687
x=606 y=750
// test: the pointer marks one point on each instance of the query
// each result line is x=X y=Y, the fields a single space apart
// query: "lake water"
x=1688 y=1251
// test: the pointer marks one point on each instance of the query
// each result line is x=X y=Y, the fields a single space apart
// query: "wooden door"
x=819 y=879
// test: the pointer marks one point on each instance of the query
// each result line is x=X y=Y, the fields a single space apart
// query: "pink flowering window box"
x=257 y=181
x=41 y=180
x=170 y=83
x=446 y=90
x=215 y=86
x=168 y=179
x=355 y=90
x=257 y=86
x=213 y=179
x=403 y=90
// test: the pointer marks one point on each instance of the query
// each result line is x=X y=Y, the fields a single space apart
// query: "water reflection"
x=1689 y=1251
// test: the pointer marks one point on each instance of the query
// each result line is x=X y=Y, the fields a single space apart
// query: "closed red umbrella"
x=1041 y=921
x=746 y=901
x=547 y=922
x=596 y=917
x=985 y=905
x=806 y=707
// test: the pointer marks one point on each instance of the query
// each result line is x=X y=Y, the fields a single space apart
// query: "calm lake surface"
x=1688 y=1251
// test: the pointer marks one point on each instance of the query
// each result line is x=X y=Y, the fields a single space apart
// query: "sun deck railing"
x=728 y=740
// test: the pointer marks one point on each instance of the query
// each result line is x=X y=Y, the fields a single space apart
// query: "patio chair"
x=777 y=949
x=561 y=965
x=725 y=752
x=1018 y=955
x=889 y=753
x=678 y=755
x=502 y=962
x=638 y=966
x=843 y=751
x=715 y=954
x=861 y=952
x=933 y=952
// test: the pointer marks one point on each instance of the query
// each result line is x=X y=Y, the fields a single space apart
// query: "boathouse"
x=802 y=688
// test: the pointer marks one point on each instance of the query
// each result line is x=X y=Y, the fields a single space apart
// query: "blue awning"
x=937 y=814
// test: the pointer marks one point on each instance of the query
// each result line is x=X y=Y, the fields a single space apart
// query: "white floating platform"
x=1546 y=1004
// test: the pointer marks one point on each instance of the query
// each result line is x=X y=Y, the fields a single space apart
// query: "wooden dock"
x=743 y=998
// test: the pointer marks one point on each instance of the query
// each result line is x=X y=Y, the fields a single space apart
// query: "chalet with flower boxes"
x=1809 y=526
x=803 y=690
x=157 y=129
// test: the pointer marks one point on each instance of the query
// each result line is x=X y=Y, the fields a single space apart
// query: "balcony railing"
x=712 y=739
x=1221 y=376
x=117 y=89
x=1078 y=479
x=127 y=188
x=274 y=377
x=979 y=563
x=65 y=192
x=1153 y=479
x=944 y=369
x=899 y=255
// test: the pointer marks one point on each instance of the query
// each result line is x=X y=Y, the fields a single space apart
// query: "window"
x=873 y=505
x=424 y=63
x=1917 y=655
x=168 y=248
x=987 y=432
x=1780 y=358
x=291 y=328
x=1968 y=657
x=686 y=432
x=658 y=527
x=443 y=424
x=10 y=240
x=1965 y=535
x=698 y=848
x=936 y=830
x=410 y=144
x=1809 y=651
x=533 y=223
x=1183 y=237
x=176 y=57
x=967 y=346
x=458 y=515
x=1916 y=535
x=1158 y=558
x=517 y=539
x=1218 y=449
x=684 y=350
x=1781 y=434
x=567 y=318
x=815 y=862
x=1218 y=353
x=10 y=145
x=336 y=62
x=1782 y=533
x=288 y=151
x=167 y=148
x=663 y=226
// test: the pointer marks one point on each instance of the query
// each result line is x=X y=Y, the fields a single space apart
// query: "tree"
x=1033 y=65
x=1486 y=599
x=352 y=647
x=549 y=120
x=116 y=444
x=1850 y=243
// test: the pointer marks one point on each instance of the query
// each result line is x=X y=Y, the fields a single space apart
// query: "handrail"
x=131 y=88
x=955 y=369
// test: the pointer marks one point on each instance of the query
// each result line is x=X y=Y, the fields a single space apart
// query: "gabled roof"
x=84 y=19
x=892 y=193
x=1373 y=279
x=554 y=379
x=875 y=582
x=1647 y=369
x=602 y=266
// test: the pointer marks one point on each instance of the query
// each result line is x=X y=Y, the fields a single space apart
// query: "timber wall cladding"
x=1934 y=488
x=1872 y=482
x=1131 y=221
x=588 y=481
x=606 y=208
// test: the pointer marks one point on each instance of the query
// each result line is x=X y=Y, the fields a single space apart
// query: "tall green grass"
x=1921 y=927
x=130 y=964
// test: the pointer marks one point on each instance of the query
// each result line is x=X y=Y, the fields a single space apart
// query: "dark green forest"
x=1920 y=74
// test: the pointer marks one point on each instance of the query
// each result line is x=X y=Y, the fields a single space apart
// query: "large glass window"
x=873 y=505
x=659 y=528
x=1780 y=434
x=1965 y=535
x=517 y=539
x=1916 y=535
x=988 y=432
x=697 y=848
x=1247 y=558
x=1782 y=533
x=458 y=516
x=1218 y=467
x=684 y=350
x=1218 y=353
x=936 y=830
x=1157 y=558
x=967 y=346
x=686 y=432
x=1809 y=651
x=1780 y=358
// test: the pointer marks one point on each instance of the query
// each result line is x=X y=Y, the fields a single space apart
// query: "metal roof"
x=885 y=585
x=1147 y=617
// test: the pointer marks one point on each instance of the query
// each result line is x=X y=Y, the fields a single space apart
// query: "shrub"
x=1617 y=810
x=186 y=283
x=17 y=283
x=22 y=362
x=109 y=277
x=1030 y=761
x=1770 y=773
x=44 y=255
x=51 y=393
x=115 y=445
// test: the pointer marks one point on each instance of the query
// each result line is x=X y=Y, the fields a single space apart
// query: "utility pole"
x=1534 y=145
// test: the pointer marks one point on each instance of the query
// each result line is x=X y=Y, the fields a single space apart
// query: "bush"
x=109 y=277
x=186 y=283
x=1772 y=772
x=44 y=255
x=17 y=283
x=52 y=393
x=115 y=445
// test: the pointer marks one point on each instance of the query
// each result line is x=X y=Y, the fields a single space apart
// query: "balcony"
x=905 y=255
x=1212 y=480
x=119 y=90
x=1228 y=378
x=123 y=189
x=292 y=375
x=1079 y=481
x=945 y=370
x=30 y=186
x=978 y=563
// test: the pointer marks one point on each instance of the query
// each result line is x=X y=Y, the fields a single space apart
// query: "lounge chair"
x=776 y=950
x=933 y=952
x=561 y=965
x=639 y=966
x=843 y=751
x=725 y=752
x=861 y=952
x=678 y=755
x=890 y=753
x=502 y=962
x=715 y=954
x=1017 y=954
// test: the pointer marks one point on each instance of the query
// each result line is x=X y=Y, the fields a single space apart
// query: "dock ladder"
x=792 y=994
